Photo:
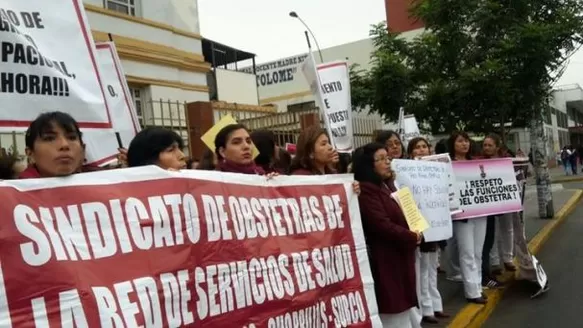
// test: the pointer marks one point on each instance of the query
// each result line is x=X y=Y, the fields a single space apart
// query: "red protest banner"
x=149 y=248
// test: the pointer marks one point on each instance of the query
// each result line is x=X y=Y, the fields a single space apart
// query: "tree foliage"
x=477 y=65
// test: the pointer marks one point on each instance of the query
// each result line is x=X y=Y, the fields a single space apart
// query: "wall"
x=569 y=96
x=236 y=87
x=398 y=17
x=160 y=48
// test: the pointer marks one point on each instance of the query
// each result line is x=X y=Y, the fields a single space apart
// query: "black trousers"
x=488 y=244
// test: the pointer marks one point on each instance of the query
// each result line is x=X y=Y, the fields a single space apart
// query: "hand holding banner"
x=487 y=187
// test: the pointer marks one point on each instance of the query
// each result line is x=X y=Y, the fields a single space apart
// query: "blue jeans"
x=567 y=167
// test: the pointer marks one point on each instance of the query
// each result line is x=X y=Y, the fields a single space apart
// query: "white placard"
x=48 y=63
x=102 y=144
x=429 y=184
x=410 y=129
x=330 y=85
x=454 y=202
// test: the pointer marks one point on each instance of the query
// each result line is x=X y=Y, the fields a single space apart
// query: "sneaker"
x=456 y=278
x=491 y=283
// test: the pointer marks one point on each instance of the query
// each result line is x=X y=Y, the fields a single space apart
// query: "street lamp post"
x=295 y=15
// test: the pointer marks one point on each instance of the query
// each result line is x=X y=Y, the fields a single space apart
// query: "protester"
x=451 y=261
x=392 y=142
x=491 y=148
x=264 y=141
x=234 y=151
x=283 y=160
x=391 y=244
x=208 y=161
x=503 y=250
x=192 y=163
x=54 y=145
x=314 y=153
x=429 y=296
x=469 y=233
x=340 y=162
x=10 y=167
x=157 y=146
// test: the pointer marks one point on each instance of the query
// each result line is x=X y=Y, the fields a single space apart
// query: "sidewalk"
x=452 y=292
x=558 y=176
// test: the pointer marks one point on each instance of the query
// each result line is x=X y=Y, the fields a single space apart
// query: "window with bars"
x=128 y=7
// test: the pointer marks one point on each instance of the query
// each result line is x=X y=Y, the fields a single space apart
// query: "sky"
x=264 y=27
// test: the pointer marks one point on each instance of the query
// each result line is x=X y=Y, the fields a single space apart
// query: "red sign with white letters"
x=182 y=250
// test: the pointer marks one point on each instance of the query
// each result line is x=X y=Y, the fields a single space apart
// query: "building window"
x=128 y=7
x=138 y=98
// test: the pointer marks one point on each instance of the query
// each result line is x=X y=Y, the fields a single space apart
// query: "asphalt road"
x=562 y=305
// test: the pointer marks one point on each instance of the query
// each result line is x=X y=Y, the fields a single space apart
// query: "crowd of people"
x=404 y=266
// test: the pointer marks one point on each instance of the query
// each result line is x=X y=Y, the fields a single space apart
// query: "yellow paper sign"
x=414 y=218
x=209 y=137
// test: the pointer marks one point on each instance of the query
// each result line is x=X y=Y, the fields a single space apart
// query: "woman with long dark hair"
x=469 y=233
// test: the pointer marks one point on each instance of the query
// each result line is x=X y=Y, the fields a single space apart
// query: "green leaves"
x=478 y=64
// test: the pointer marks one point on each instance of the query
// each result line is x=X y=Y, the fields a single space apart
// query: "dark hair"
x=441 y=147
x=44 y=123
x=495 y=138
x=413 y=143
x=497 y=142
x=385 y=135
x=451 y=144
x=191 y=161
x=7 y=167
x=264 y=140
x=284 y=160
x=147 y=145
x=363 y=163
x=207 y=161
x=305 y=147
x=223 y=136
x=344 y=160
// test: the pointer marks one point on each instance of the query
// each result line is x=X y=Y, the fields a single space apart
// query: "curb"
x=566 y=179
x=473 y=315
x=561 y=180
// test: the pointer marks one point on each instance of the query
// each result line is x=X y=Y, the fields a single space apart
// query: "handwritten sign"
x=415 y=220
x=454 y=202
x=429 y=184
